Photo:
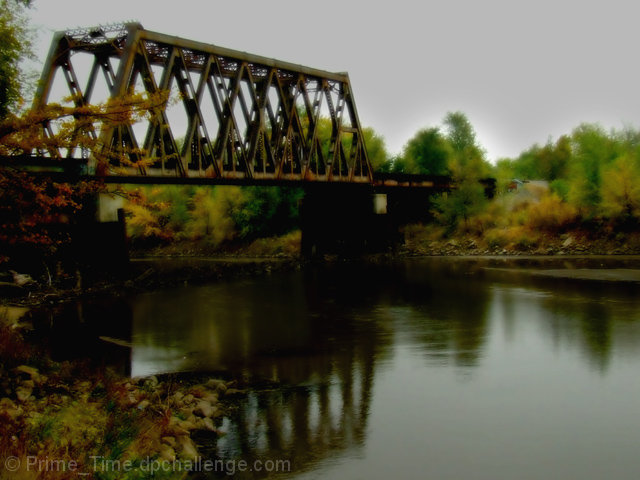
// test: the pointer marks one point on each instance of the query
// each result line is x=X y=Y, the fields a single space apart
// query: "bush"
x=517 y=237
x=551 y=214
x=561 y=188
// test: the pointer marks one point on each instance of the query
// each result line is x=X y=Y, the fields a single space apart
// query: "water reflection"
x=300 y=424
x=598 y=319
x=333 y=353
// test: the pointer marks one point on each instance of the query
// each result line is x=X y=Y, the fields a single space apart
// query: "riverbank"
x=192 y=263
x=148 y=274
x=421 y=240
x=62 y=419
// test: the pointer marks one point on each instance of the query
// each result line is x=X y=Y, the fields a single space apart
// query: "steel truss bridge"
x=232 y=117
x=245 y=116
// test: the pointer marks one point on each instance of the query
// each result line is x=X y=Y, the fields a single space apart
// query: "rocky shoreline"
x=78 y=418
x=573 y=243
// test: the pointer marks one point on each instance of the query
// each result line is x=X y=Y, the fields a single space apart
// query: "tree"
x=35 y=208
x=15 y=45
x=461 y=134
x=620 y=189
x=376 y=150
x=550 y=162
x=467 y=166
x=593 y=149
x=428 y=152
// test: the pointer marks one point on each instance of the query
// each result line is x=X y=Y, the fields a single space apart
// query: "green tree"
x=468 y=157
x=374 y=143
x=593 y=149
x=555 y=158
x=467 y=166
x=461 y=134
x=398 y=164
x=268 y=211
x=376 y=150
x=428 y=152
x=16 y=44
x=459 y=205
x=550 y=162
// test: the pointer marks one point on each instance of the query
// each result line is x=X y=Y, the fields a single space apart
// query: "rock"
x=177 y=399
x=23 y=393
x=144 y=404
x=167 y=453
x=186 y=412
x=27 y=370
x=568 y=241
x=35 y=416
x=187 y=448
x=214 y=384
x=235 y=391
x=151 y=382
x=9 y=408
x=21 y=279
x=84 y=386
x=6 y=403
x=207 y=424
x=222 y=388
x=212 y=398
x=204 y=409
x=171 y=441
x=28 y=384
x=13 y=413
x=176 y=430
x=188 y=425
x=188 y=399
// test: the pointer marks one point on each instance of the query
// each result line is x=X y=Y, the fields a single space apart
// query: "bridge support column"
x=341 y=219
x=99 y=246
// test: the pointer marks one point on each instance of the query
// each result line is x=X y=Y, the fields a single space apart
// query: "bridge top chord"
x=230 y=114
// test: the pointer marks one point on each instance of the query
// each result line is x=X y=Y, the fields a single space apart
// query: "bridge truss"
x=230 y=115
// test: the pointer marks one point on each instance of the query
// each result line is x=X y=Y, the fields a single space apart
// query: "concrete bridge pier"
x=98 y=240
x=346 y=220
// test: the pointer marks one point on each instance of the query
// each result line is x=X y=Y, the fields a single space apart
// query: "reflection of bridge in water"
x=304 y=424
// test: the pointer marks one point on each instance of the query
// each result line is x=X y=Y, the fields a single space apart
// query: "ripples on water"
x=432 y=369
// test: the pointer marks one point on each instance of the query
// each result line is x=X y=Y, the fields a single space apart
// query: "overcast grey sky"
x=522 y=71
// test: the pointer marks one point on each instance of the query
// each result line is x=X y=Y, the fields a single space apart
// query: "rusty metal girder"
x=245 y=116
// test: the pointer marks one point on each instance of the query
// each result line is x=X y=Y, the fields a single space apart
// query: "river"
x=419 y=369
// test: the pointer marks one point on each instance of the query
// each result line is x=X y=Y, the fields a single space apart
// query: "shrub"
x=551 y=214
